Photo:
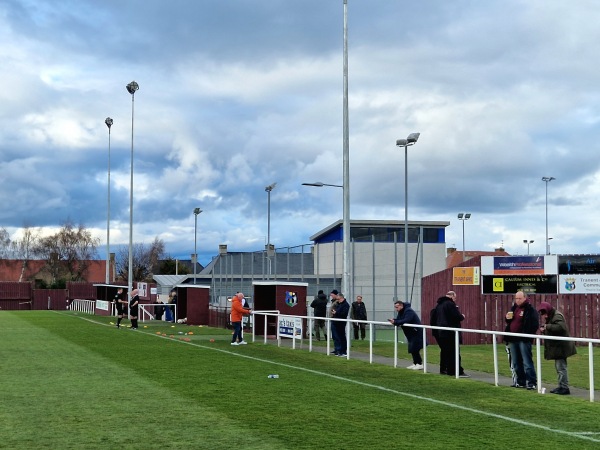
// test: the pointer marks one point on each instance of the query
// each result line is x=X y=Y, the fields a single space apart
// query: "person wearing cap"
x=559 y=351
x=523 y=319
x=319 y=305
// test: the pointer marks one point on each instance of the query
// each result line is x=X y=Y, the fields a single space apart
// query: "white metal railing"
x=147 y=315
x=495 y=334
x=84 y=306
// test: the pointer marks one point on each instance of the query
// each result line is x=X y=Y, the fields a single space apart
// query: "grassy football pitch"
x=75 y=381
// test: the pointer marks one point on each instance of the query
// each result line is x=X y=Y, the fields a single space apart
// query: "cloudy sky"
x=235 y=95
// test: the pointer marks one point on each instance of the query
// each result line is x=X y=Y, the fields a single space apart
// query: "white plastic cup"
x=543 y=390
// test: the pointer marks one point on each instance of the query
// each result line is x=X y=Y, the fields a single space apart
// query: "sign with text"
x=519 y=265
x=290 y=327
x=579 y=284
x=465 y=276
x=578 y=264
x=539 y=284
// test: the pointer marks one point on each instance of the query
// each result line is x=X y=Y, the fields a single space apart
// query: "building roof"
x=455 y=257
x=380 y=224
x=169 y=280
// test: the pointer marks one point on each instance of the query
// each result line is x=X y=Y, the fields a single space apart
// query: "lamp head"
x=547 y=179
x=132 y=87
x=108 y=122
x=467 y=216
x=197 y=211
x=460 y=215
x=413 y=138
x=401 y=142
x=316 y=184
x=270 y=187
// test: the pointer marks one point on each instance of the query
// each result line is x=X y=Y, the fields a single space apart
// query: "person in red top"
x=237 y=313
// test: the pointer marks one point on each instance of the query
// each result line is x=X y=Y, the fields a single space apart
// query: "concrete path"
x=402 y=364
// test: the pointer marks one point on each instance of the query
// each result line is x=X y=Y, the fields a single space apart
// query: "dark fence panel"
x=486 y=312
x=55 y=299
x=81 y=290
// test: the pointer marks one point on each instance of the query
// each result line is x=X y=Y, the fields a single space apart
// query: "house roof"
x=456 y=257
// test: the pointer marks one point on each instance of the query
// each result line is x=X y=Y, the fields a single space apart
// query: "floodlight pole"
x=108 y=121
x=131 y=88
x=547 y=180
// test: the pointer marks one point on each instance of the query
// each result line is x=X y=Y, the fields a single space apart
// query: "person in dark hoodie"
x=406 y=316
x=448 y=315
x=559 y=351
x=524 y=319
x=319 y=305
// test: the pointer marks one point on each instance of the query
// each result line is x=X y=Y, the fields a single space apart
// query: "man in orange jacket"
x=237 y=312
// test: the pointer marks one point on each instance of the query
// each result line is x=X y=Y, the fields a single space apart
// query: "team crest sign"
x=291 y=299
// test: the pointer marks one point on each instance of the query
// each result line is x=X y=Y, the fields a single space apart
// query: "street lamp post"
x=195 y=261
x=320 y=184
x=528 y=241
x=547 y=180
x=463 y=217
x=268 y=190
x=108 y=123
x=131 y=88
x=410 y=140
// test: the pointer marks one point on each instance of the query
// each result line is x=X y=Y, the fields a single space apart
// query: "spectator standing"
x=448 y=315
x=559 y=351
x=406 y=316
x=237 y=313
x=359 y=312
x=524 y=319
x=340 y=312
x=319 y=305
x=120 y=305
x=159 y=309
x=134 y=303
x=173 y=301
x=334 y=302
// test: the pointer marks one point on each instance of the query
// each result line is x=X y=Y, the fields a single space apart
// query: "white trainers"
x=411 y=367
x=234 y=343
x=242 y=343
x=418 y=367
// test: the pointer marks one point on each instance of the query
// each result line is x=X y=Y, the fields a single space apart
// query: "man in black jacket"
x=522 y=318
x=319 y=304
x=448 y=315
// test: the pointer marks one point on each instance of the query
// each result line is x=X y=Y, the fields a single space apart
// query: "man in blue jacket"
x=340 y=312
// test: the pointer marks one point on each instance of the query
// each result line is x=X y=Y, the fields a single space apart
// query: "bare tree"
x=144 y=256
x=22 y=249
x=4 y=244
x=68 y=252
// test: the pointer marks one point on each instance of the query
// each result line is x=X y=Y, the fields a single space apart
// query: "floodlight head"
x=316 y=184
x=413 y=138
x=108 y=122
x=467 y=216
x=401 y=142
x=547 y=179
x=460 y=215
x=132 y=87
x=524 y=241
x=270 y=187
x=197 y=211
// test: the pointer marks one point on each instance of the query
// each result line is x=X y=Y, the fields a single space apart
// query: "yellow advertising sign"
x=465 y=276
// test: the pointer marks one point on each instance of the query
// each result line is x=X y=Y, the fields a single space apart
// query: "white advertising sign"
x=579 y=284
x=289 y=327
